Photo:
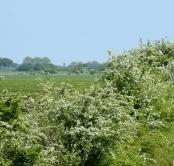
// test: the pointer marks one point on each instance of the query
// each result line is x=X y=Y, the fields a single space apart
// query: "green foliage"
x=89 y=67
x=14 y=150
x=7 y=64
x=20 y=156
x=37 y=64
x=144 y=74
x=92 y=123
x=125 y=118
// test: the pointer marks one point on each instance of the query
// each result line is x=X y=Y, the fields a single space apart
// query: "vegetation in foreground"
x=125 y=119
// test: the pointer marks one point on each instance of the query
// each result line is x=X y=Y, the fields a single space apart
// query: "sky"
x=80 y=30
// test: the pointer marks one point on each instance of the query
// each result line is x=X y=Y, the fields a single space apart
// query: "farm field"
x=26 y=83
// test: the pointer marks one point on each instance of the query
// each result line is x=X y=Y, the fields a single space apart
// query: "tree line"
x=39 y=64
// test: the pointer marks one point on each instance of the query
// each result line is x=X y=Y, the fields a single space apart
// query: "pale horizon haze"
x=76 y=30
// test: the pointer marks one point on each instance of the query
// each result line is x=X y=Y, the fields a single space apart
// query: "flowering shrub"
x=145 y=75
x=125 y=118
x=13 y=134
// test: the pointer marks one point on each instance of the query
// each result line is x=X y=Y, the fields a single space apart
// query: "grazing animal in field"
x=1 y=77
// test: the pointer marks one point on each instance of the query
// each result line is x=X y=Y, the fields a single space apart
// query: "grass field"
x=26 y=83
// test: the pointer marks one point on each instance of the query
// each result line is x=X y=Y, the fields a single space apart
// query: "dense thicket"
x=126 y=118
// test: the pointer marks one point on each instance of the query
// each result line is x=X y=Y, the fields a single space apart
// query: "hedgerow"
x=126 y=118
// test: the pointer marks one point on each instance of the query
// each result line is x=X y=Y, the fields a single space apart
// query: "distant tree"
x=89 y=67
x=7 y=64
x=46 y=60
x=27 y=60
x=37 y=64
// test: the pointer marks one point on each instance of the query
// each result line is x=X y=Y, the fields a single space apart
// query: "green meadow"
x=26 y=83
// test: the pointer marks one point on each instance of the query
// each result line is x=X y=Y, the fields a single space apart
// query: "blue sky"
x=80 y=30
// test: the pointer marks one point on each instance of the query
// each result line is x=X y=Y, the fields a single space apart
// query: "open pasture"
x=26 y=83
